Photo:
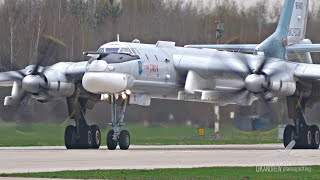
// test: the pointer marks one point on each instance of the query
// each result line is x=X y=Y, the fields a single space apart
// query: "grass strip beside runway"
x=310 y=172
x=49 y=134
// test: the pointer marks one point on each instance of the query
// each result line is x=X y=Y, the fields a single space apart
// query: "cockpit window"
x=115 y=57
x=108 y=50
x=125 y=50
x=101 y=50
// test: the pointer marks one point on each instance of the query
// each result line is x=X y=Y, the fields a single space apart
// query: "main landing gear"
x=304 y=136
x=81 y=136
x=115 y=136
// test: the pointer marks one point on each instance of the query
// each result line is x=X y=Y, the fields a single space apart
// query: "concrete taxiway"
x=45 y=159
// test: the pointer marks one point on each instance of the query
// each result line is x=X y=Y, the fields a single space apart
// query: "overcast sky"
x=244 y=3
x=248 y=3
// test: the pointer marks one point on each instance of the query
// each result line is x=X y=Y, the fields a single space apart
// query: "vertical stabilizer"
x=298 y=23
x=297 y=31
x=275 y=45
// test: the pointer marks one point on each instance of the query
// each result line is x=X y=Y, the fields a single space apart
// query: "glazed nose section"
x=105 y=83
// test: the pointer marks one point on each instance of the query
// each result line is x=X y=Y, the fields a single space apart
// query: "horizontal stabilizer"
x=304 y=48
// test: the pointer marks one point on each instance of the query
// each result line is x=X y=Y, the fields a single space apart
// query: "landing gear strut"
x=81 y=136
x=115 y=135
x=304 y=136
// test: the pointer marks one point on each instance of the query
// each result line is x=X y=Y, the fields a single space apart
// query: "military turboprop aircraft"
x=134 y=73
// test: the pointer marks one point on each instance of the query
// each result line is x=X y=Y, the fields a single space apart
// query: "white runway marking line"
x=45 y=159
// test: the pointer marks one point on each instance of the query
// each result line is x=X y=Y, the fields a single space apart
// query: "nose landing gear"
x=116 y=136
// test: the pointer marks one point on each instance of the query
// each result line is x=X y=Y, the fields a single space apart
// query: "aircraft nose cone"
x=31 y=83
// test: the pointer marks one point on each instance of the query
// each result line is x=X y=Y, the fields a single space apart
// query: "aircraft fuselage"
x=158 y=71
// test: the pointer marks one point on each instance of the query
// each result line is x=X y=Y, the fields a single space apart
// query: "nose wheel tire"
x=124 y=140
x=96 y=136
x=70 y=137
x=315 y=137
x=111 y=143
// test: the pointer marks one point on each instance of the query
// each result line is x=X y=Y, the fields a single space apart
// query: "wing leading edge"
x=250 y=48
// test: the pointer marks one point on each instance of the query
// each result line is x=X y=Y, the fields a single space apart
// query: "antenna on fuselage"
x=118 y=37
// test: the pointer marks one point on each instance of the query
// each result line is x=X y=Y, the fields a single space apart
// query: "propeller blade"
x=238 y=65
x=12 y=76
x=244 y=94
x=246 y=63
x=261 y=66
x=263 y=99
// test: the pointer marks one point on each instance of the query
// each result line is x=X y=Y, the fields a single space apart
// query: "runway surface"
x=45 y=159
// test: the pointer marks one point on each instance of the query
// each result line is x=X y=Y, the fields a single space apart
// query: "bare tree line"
x=30 y=29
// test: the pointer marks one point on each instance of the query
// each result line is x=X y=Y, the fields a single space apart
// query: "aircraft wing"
x=76 y=70
x=226 y=47
x=249 y=48
x=307 y=71
x=209 y=66
x=73 y=70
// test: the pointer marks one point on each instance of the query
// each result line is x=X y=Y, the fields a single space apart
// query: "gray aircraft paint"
x=164 y=70
x=211 y=66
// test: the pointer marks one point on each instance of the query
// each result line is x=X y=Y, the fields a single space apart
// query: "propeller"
x=30 y=84
x=255 y=80
x=34 y=83
x=32 y=79
x=26 y=82
x=255 y=76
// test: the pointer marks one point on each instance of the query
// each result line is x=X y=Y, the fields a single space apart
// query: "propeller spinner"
x=33 y=83
x=262 y=81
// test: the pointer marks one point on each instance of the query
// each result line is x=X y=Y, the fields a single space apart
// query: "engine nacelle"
x=104 y=83
x=283 y=85
x=58 y=84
